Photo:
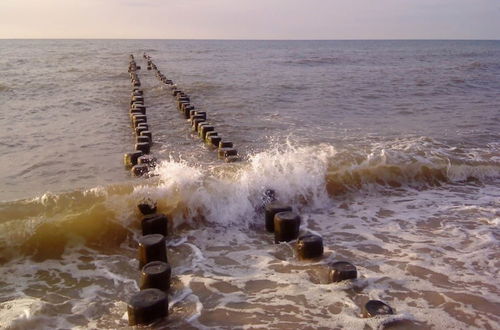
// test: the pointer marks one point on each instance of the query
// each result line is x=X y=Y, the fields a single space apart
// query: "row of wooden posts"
x=150 y=304
x=139 y=160
x=198 y=119
x=285 y=224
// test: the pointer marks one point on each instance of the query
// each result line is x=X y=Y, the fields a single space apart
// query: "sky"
x=251 y=19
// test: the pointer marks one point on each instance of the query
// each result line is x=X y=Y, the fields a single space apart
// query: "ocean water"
x=390 y=150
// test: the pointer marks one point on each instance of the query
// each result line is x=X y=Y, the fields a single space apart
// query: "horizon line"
x=271 y=39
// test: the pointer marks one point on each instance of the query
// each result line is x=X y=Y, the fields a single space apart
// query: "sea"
x=389 y=150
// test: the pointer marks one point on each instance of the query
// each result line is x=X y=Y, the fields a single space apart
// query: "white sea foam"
x=14 y=313
x=231 y=197
x=83 y=286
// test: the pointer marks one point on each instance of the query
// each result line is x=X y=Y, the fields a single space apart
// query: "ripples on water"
x=389 y=150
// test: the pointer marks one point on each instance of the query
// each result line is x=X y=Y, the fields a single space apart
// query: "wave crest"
x=230 y=194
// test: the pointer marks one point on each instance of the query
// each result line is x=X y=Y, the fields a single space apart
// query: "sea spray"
x=231 y=194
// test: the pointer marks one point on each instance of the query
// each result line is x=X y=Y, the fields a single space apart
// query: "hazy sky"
x=251 y=19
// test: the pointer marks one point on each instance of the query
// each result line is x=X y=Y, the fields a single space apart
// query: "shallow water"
x=387 y=149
